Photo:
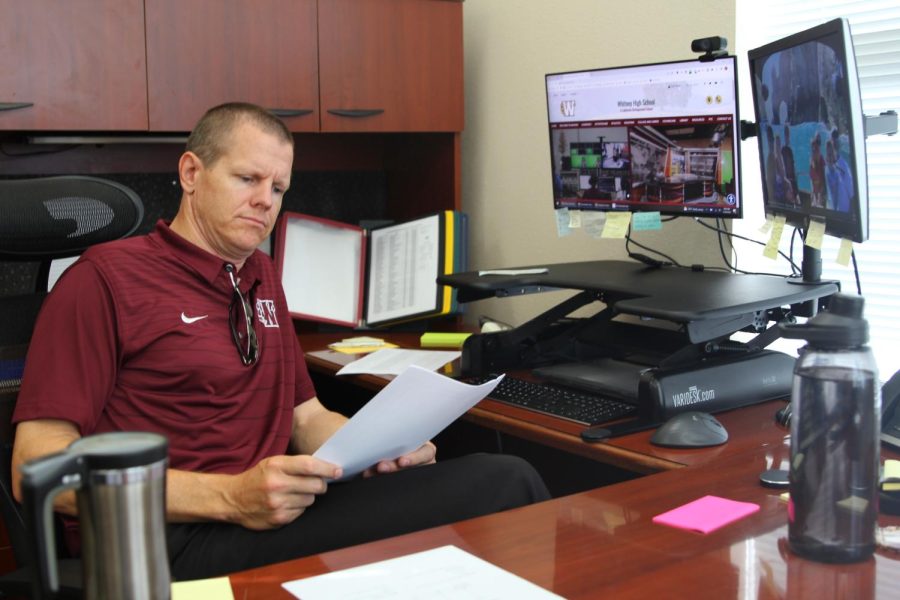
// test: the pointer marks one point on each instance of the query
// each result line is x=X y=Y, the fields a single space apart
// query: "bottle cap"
x=840 y=326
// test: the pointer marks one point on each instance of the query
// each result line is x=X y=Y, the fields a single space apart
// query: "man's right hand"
x=277 y=490
x=271 y=494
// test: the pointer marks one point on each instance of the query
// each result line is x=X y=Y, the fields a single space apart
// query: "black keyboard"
x=557 y=401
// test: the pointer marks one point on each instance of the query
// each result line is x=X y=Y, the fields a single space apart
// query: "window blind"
x=875 y=27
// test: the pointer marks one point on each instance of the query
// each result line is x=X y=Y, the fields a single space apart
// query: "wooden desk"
x=602 y=544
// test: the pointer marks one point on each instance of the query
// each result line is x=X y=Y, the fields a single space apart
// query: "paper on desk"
x=405 y=414
x=393 y=361
x=445 y=572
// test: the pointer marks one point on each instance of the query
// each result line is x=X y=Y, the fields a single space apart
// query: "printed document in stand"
x=445 y=572
x=405 y=260
x=408 y=412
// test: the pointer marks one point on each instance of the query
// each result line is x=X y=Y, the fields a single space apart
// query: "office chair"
x=43 y=219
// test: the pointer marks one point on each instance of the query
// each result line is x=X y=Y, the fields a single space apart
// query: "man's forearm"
x=313 y=424
x=192 y=497
x=270 y=494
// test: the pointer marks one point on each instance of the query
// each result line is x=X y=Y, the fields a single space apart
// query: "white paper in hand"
x=408 y=412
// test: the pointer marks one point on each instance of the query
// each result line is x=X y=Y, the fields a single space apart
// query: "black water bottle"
x=836 y=404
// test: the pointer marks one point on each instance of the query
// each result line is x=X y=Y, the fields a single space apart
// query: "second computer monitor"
x=811 y=130
x=657 y=137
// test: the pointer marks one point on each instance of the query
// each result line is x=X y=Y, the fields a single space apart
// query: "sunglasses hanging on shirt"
x=240 y=319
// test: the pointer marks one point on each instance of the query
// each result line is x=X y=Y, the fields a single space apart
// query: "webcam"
x=712 y=47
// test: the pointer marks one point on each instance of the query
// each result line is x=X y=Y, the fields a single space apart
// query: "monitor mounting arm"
x=885 y=123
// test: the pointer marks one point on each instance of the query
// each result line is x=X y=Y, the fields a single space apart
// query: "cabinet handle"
x=290 y=112
x=355 y=113
x=15 y=105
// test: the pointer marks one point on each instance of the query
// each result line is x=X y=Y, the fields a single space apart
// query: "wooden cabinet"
x=391 y=65
x=79 y=64
x=201 y=53
x=343 y=65
x=156 y=65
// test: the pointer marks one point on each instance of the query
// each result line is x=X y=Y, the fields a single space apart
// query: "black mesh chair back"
x=43 y=219
x=55 y=217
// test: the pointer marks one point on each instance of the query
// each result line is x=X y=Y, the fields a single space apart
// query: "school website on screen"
x=646 y=138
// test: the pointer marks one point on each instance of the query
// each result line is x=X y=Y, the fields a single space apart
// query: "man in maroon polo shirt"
x=186 y=332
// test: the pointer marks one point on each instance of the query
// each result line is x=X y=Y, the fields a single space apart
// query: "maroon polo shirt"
x=135 y=336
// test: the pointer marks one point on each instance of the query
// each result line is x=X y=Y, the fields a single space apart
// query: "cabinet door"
x=201 y=53
x=391 y=65
x=78 y=63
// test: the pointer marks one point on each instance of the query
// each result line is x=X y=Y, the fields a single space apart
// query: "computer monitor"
x=655 y=137
x=811 y=130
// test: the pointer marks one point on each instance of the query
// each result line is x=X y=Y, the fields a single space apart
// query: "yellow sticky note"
x=771 y=249
x=616 y=225
x=767 y=226
x=892 y=473
x=575 y=219
x=217 y=588
x=844 y=253
x=814 y=234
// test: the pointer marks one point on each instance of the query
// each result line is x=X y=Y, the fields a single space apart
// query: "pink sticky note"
x=706 y=514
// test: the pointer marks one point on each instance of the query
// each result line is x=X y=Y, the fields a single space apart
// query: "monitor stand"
x=811 y=274
x=690 y=365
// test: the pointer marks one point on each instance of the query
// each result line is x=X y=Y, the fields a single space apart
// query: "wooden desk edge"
x=612 y=455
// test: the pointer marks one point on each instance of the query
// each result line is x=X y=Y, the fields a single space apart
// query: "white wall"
x=509 y=46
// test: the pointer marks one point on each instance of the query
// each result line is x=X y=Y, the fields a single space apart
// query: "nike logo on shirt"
x=190 y=320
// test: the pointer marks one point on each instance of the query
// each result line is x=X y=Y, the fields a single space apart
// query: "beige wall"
x=509 y=46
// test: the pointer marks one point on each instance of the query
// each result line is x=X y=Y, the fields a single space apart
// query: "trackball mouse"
x=692 y=429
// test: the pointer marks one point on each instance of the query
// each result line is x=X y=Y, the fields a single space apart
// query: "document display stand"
x=661 y=341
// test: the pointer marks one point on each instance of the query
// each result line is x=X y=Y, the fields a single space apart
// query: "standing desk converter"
x=663 y=331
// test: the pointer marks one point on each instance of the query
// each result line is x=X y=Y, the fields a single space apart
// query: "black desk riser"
x=672 y=354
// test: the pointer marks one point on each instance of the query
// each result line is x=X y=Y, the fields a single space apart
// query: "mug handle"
x=42 y=480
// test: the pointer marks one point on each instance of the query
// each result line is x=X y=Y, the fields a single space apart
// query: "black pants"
x=361 y=510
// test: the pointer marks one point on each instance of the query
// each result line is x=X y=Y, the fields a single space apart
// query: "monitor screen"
x=811 y=135
x=657 y=137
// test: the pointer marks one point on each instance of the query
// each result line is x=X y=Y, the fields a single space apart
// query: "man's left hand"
x=424 y=455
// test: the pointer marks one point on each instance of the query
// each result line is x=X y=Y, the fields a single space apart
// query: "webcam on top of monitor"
x=712 y=47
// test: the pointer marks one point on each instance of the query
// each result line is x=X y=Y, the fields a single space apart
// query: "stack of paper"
x=360 y=345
